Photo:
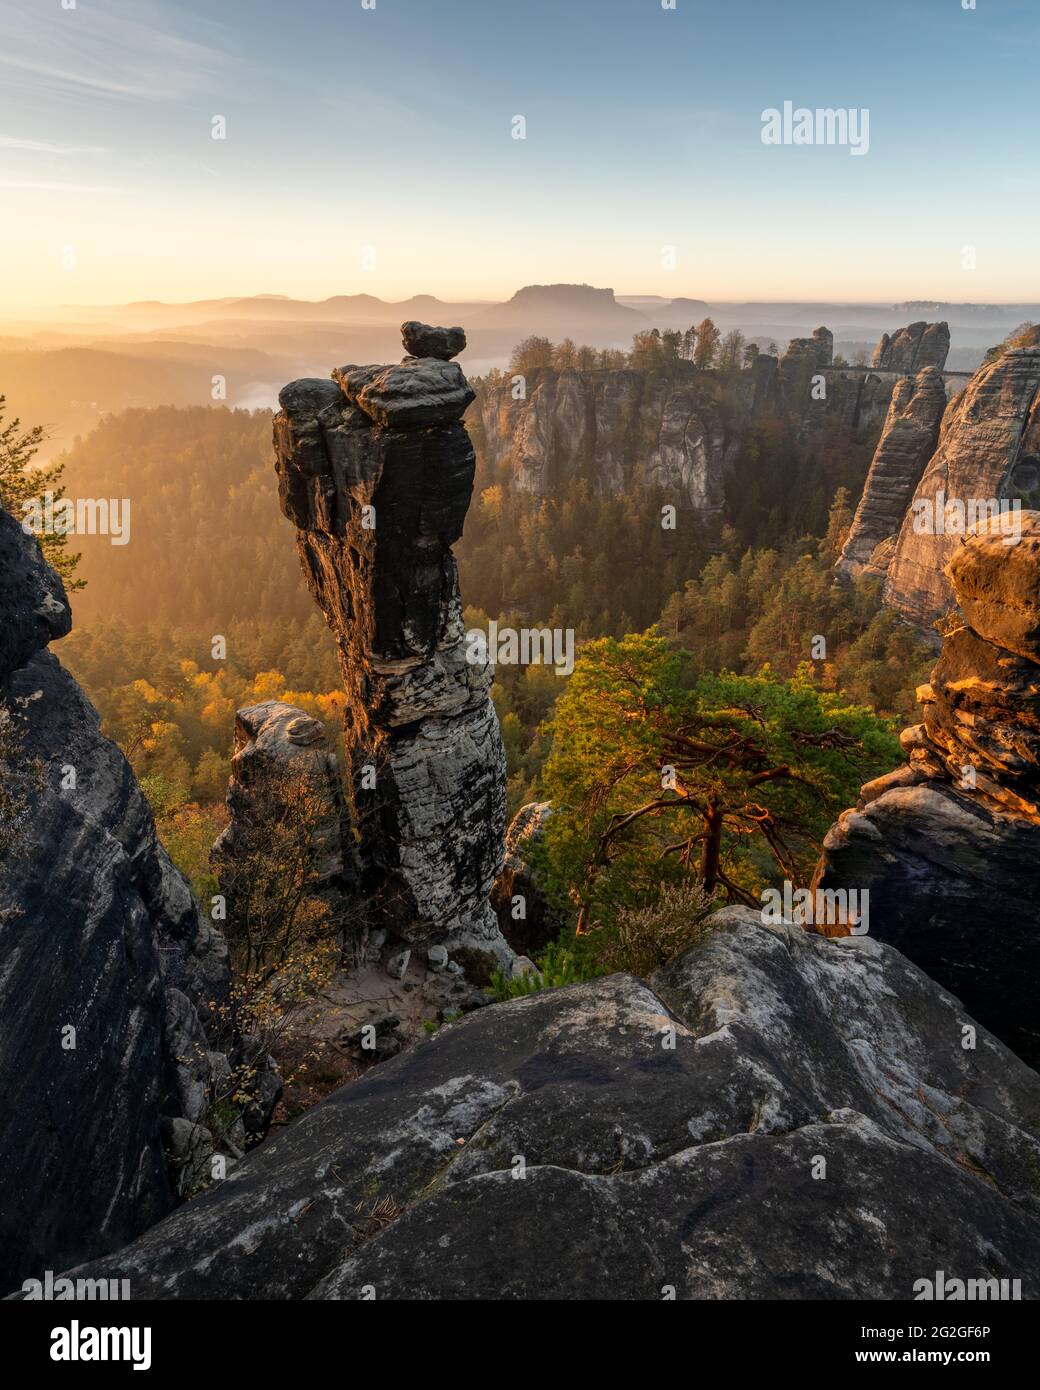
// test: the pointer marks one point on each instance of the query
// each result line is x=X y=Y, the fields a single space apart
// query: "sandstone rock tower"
x=989 y=449
x=914 y=347
x=376 y=472
x=907 y=442
x=948 y=844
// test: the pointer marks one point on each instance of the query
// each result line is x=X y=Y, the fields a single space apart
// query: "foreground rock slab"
x=773 y=1117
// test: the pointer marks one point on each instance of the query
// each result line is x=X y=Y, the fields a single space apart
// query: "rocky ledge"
x=772 y=1117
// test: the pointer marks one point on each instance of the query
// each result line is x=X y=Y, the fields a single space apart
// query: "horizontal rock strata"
x=376 y=472
x=947 y=845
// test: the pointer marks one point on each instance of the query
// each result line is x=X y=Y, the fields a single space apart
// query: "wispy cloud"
x=41 y=186
x=14 y=142
x=120 y=50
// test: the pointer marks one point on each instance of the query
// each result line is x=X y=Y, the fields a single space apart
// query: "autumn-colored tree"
x=531 y=353
x=707 y=344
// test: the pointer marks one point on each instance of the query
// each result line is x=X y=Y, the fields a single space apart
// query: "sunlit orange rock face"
x=947 y=844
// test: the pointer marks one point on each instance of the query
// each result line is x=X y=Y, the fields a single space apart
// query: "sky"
x=371 y=150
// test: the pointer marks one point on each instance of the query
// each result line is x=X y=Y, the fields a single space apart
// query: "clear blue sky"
x=389 y=129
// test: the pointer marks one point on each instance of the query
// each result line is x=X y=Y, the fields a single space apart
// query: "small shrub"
x=644 y=939
x=637 y=941
x=561 y=964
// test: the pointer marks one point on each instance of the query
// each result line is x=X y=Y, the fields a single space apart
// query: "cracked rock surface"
x=772 y=1117
x=376 y=472
x=98 y=933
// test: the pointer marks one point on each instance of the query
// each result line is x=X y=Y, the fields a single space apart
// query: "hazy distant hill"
x=68 y=390
x=68 y=372
x=340 y=308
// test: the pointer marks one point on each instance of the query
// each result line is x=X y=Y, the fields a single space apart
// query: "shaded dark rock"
x=33 y=603
x=99 y=934
x=789 y=1145
x=423 y=341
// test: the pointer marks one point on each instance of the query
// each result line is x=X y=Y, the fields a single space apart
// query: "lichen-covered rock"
x=377 y=477
x=107 y=971
x=988 y=450
x=772 y=1117
x=907 y=443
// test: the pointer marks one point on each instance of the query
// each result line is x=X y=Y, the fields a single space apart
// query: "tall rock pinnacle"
x=907 y=443
x=376 y=472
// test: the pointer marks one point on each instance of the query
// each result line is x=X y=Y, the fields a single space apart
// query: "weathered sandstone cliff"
x=913 y=348
x=907 y=443
x=988 y=451
x=621 y=430
x=376 y=472
x=948 y=844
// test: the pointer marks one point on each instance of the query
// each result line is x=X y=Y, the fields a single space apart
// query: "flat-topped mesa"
x=946 y=846
x=913 y=348
x=907 y=442
x=376 y=472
